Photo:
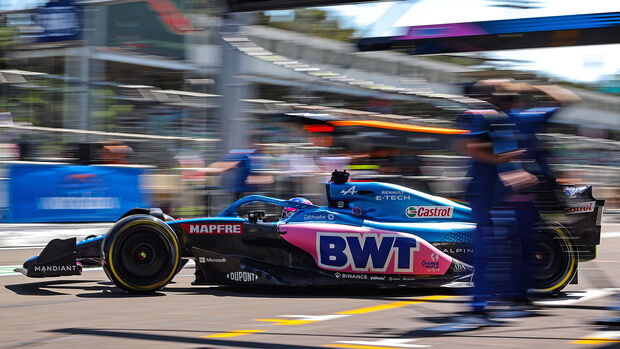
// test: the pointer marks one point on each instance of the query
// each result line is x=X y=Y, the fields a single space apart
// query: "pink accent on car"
x=353 y=249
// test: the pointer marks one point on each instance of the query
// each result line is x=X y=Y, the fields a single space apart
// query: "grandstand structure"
x=132 y=83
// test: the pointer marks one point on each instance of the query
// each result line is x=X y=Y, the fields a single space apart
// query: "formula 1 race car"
x=369 y=233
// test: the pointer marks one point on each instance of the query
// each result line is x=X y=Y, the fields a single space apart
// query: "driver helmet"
x=288 y=211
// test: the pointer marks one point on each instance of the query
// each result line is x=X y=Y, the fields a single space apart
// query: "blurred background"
x=185 y=105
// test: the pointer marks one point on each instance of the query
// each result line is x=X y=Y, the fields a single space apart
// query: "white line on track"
x=22 y=248
x=574 y=297
x=382 y=343
x=39 y=234
x=610 y=234
x=7 y=270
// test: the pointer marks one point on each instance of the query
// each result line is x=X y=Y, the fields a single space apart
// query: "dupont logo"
x=242 y=276
x=214 y=228
x=581 y=208
x=429 y=211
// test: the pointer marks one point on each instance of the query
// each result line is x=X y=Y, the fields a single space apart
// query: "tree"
x=312 y=22
x=6 y=39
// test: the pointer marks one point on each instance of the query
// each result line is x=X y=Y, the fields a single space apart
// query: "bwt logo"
x=369 y=252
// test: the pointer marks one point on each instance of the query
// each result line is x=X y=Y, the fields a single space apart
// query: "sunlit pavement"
x=89 y=311
x=38 y=234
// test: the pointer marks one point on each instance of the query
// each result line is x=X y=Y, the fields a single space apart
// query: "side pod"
x=58 y=258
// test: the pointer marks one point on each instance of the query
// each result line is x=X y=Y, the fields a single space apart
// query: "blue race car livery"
x=369 y=233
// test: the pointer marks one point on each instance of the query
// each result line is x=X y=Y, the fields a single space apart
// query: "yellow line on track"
x=392 y=305
x=233 y=333
x=595 y=341
x=288 y=322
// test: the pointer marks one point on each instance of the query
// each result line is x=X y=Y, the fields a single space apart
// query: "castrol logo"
x=581 y=208
x=429 y=211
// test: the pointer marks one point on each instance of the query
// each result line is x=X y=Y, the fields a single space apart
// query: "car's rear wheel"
x=141 y=254
x=552 y=260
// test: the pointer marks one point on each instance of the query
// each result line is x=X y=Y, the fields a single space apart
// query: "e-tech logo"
x=393 y=195
x=429 y=211
x=367 y=253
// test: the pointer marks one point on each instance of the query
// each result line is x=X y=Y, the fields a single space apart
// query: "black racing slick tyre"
x=552 y=260
x=141 y=253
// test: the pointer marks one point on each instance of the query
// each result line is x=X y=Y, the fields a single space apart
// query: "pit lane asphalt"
x=88 y=311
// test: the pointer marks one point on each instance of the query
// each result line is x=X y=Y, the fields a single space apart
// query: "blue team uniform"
x=529 y=122
x=497 y=224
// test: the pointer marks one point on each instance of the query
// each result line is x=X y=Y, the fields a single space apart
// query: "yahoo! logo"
x=367 y=253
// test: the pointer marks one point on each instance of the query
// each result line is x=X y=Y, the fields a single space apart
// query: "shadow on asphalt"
x=104 y=289
x=53 y=288
x=311 y=292
x=500 y=332
x=207 y=332
x=201 y=341
x=44 y=288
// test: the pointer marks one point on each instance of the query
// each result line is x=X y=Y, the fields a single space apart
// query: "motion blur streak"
x=400 y=127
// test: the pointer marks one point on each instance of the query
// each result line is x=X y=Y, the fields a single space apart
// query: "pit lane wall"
x=41 y=192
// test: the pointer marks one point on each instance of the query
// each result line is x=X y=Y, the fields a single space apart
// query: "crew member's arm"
x=220 y=167
x=482 y=151
x=558 y=94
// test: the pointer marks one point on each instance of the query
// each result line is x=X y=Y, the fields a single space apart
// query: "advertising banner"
x=60 y=21
x=503 y=34
x=154 y=27
x=41 y=193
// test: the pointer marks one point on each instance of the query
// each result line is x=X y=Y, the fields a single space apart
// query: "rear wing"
x=584 y=213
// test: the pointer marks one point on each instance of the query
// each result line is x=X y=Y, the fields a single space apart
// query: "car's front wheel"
x=141 y=254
